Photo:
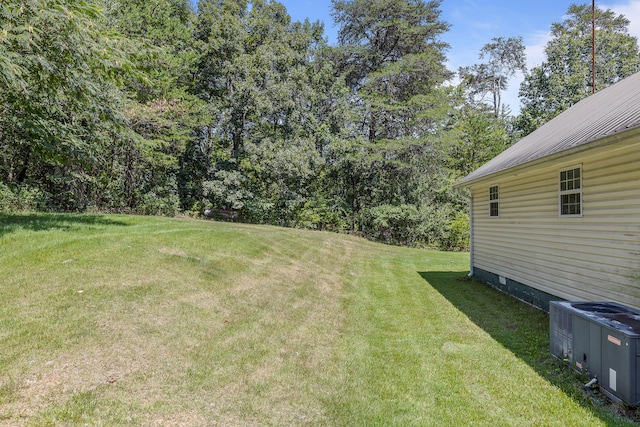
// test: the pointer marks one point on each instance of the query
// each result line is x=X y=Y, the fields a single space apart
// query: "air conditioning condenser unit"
x=601 y=339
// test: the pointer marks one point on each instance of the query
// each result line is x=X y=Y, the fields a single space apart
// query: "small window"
x=494 y=201
x=571 y=192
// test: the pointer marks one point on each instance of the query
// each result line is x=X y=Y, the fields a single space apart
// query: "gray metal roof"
x=607 y=112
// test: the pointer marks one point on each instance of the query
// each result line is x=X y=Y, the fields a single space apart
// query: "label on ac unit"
x=612 y=379
x=614 y=340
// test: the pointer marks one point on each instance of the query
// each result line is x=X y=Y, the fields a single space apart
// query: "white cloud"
x=631 y=10
x=535 y=45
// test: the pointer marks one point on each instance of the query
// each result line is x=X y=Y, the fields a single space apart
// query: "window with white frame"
x=571 y=191
x=494 y=201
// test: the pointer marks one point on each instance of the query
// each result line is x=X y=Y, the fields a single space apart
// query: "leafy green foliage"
x=272 y=108
x=408 y=226
x=22 y=199
x=474 y=138
x=392 y=57
x=376 y=33
x=162 y=32
x=162 y=116
x=387 y=169
x=59 y=89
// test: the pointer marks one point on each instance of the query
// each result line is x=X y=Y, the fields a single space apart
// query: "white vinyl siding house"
x=569 y=221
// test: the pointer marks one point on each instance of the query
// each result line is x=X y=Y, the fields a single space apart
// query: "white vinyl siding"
x=594 y=257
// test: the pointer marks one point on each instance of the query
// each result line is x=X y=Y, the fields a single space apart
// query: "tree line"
x=234 y=110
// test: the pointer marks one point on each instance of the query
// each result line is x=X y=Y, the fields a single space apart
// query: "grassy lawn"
x=121 y=320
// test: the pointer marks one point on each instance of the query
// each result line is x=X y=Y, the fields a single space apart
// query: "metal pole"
x=593 y=46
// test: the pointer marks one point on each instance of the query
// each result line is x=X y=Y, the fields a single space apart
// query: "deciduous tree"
x=272 y=97
x=489 y=79
x=566 y=77
x=59 y=94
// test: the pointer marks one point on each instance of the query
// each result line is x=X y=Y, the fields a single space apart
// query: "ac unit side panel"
x=561 y=332
x=585 y=352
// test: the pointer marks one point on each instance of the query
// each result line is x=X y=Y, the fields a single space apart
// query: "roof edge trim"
x=607 y=140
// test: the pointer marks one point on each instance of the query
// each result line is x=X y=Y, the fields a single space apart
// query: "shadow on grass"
x=524 y=331
x=10 y=222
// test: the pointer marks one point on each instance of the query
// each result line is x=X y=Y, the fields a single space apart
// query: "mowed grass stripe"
x=122 y=320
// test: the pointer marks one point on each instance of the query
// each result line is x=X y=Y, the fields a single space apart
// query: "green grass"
x=121 y=320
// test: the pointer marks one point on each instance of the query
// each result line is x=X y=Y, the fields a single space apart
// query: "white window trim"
x=562 y=193
x=494 y=201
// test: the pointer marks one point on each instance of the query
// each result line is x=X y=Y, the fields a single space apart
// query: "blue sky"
x=475 y=22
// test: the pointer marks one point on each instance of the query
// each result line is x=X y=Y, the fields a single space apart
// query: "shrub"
x=432 y=226
x=317 y=215
x=161 y=200
x=22 y=198
x=459 y=232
